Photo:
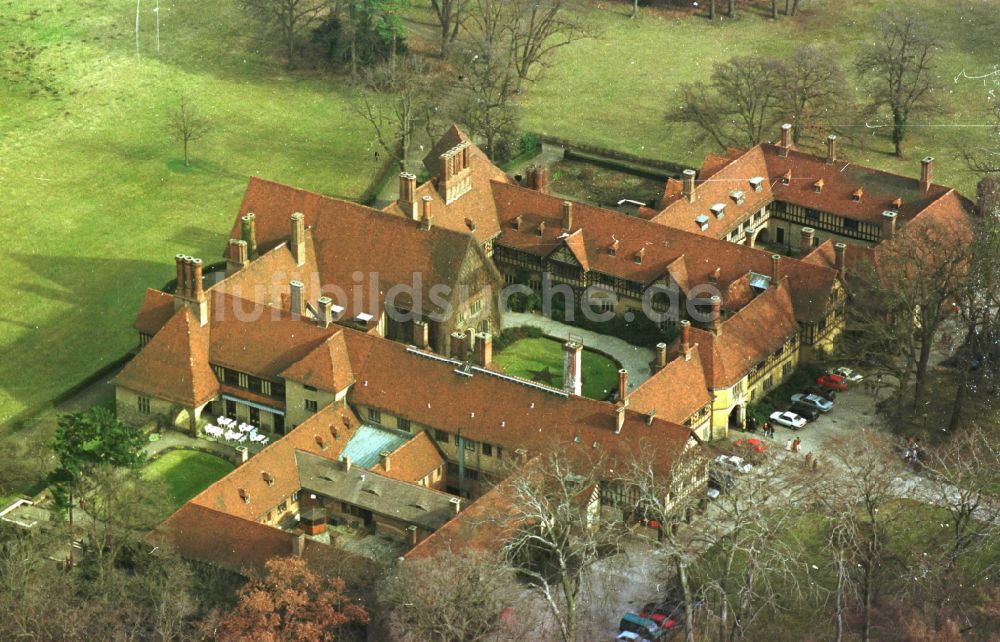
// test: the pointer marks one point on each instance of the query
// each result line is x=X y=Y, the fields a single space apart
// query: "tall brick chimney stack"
x=840 y=254
x=325 y=304
x=484 y=349
x=542 y=179
x=458 y=346
x=775 y=262
x=567 y=216
x=190 y=291
x=249 y=233
x=786 y=139
x=181 y=288
x=297 y=298
x=620 y=417
x=715 y=318
x=573 y=367
x=622 y=384
x=421 y=334
x=808 y=234
x=408 y=196
x=426 y=218
x=926 y=173
x=661 y=356
x=196 y=285
x=237 y=257
x=689 y=192
x=298 y=243
x=831 y=148
x=888 y=225
x=456 y=176
x=686 y=339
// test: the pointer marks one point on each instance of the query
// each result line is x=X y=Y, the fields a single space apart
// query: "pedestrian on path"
x=788 y=445
x=796 y=444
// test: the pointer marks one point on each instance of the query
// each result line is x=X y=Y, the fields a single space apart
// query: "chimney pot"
x=458 y=346
x=325 y=311
x=196 y=285
x=840 y=252
x=888 y=225
x=926 y=173
x=384 y=456
x=249 y=233
x=572 y=367
x=619 y=418
x=808 y=234
x=786 y=139
x=661 y=356
x=622 y=383
x=456 y=502
x=775 y=262
x=689 y=193
x=716 y=315
x=484 y=349
x=297 y=299
x=567 y=215
x=180 y=290
x=686 y=339
x=831 y=148
x=408 y=195
x=298 y=244
x=426 y=217
x=421 y=334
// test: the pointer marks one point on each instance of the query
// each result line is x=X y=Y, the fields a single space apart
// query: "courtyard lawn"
x=185 y=473
x=528 y=357
x=98 y=199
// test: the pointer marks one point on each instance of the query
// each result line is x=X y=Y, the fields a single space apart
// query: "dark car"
x=720 y=479
x=804 y=410
x=829 y=395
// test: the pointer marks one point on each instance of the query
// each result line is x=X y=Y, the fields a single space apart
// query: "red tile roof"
x=174 y=364
x=327 y=367
x=413 y=461
x=676 y=392
x=156 y=309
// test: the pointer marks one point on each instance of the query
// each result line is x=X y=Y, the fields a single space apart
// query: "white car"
x=628 y=636
x=733 y=462
x=815 y=401
x=851 y=375
x=788 y=419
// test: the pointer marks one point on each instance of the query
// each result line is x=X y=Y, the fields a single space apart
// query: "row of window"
x=488 y=450
x=273 y=389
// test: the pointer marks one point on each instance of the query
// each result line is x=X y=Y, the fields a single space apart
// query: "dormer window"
x=897 y=204
x=856 y=196
x=516 y=223
x=613 y=248
x=786 y=178
x=719 y=209
x=818 y=186
x=757 y=183
x=541 y=229
x=320 y=443
x=702 y=222
x=245 y=496
x=268 y=479
x=737 y=196
x=638 y=255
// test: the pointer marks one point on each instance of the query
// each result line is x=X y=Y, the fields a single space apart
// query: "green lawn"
x=527 y=357
x=185 y=473
x=614 y=90
x=97 y=199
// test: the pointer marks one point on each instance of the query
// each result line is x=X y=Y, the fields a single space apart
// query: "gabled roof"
x=327 y=367
x=414 y=460
x=676 y=392
x=174 y=364
x=156 y=309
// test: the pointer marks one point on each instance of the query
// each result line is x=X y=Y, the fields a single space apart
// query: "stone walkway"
x=175 y=439
x=633 y=358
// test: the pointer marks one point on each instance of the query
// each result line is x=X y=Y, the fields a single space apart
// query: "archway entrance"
x=736 y=417
x=762 y=236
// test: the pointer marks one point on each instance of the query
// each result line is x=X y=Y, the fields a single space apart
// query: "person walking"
x=796 y=444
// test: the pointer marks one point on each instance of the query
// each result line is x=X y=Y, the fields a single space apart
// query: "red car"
x=832 y=382
x=748 y=444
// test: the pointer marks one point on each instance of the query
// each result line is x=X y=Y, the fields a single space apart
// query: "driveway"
x=633 y=358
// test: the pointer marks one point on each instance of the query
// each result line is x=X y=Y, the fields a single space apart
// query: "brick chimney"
x=411 y=532
x=775 y=262
x=926 y=173
x=831 y=149
x=808 y=234
x=190 y=292
x=456 y=503
x=408 y=196
x=181 y=288
x=386 y=460
x=456 y=177
x=622 y=383
x=619 y=417
x=458 y=346
x=484 y=349
x=567 y=216
x=421 y=334
x=715 y=317
x=196 y=284
x=686 y=339
x=888 y=225
x=840 y=254
x=237 y=258
x=542 y=179
x=573 y=367
x=689 y=192
x=297 y=300
x=426 y=218
x=661 y=356
x=786 y=139
x=298 y=244
x=248 y=229
x=325 y=310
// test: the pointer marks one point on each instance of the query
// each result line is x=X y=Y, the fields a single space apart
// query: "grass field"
x=96 y=198
x=185 y=473
x=526 y=357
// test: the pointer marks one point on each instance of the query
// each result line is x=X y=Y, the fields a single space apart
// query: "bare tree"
x=737 y=106
x=290 y=18
x=187 y=124
x=470 y=592
x=857 y=487
x=394 y=98
x=986 y=159
x=900 y=65
x=486 y=98
x=556 y=534
x=450 y=16
x=538 y=28
x=811 y=88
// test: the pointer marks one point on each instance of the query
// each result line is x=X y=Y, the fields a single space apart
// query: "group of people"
x=911 y=454
x=767 y=430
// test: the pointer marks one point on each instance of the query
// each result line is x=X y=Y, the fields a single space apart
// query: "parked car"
x=847 y=373
x=832 y=381
x=817 y=402
x=720 y=480
x=753 y=444
x=732 y=462
x=629 y=636
x=668 y=614
x=646 y=628
x=809 y=413
x=788 y=419
x=820 y=391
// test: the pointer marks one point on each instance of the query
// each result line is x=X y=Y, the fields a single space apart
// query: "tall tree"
x=393 y=99
x=811 y=88
x=289 y=18
x=486 y=98
x=290 y=603
x=187 y=123
x=537 y=28
x=899 y=66
x=450 y=16
x=986 y=158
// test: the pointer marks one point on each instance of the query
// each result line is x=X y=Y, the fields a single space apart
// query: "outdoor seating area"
x=238 y=433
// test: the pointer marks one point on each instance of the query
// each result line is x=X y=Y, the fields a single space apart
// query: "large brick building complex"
x=361 y=339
